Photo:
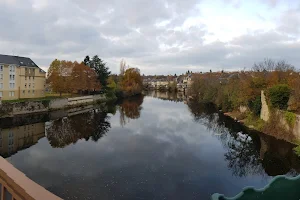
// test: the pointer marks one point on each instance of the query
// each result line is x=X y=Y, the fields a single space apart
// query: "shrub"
x=290 y=118
x=279 y=96
x=226 y=104
x=297 y=150
x=255 y=105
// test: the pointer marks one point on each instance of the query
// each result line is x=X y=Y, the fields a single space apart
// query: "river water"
x=150 y=148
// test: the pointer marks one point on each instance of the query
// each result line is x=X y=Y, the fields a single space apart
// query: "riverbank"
x=10 y=109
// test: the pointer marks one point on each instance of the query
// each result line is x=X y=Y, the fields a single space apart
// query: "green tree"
x=87 y=61
x=100 y=68
x=279 y=96
x=111 y=83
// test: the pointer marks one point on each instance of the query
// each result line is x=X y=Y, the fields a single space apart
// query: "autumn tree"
x=84 y=78
x=132 y=82
x=59 y=75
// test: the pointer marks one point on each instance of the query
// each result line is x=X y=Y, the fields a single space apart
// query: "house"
x=20 y=77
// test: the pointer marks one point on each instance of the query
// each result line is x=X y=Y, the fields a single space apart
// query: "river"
x=154 y=147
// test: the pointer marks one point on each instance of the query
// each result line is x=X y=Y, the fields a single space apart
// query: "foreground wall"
x=14 y=185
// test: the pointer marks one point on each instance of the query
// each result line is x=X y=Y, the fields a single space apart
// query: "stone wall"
x=80 y=100
x=264 y=113
x=29 y=107
x=280 y=115
x=17 y=108
x=58 y=104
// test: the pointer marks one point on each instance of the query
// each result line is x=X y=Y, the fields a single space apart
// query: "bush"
x=226 y=104
x=297 y=150
x=279 y=96
x=290 y=118
x=255 y=105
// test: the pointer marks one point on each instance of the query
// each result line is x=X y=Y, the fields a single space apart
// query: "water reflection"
x=17 y=138
x=248 y=152
x=130 y=108
x=147 y=149
x=62 y=132
x=169 y=96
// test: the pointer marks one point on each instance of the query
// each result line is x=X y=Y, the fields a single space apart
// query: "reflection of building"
x=20 y=137
x=172 y=96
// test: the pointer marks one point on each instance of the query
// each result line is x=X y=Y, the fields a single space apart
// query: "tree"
x=87 y=61
x=100 y=68
x=84 y=78
x=279 y=96
x=59 y=75
x=122 y=67
x=132 y=82
x=111 y=83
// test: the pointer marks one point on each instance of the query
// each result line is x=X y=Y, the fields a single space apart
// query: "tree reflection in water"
x=130 y=108
x=248 y=152
x=63 y=132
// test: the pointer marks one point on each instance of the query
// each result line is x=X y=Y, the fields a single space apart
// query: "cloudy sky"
x=157 y=36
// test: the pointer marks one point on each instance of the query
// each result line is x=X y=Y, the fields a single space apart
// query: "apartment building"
x=20 y=77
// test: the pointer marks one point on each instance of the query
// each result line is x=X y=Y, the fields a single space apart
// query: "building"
x=20 y=77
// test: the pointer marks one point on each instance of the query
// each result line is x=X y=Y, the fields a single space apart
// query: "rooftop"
x=17 y=60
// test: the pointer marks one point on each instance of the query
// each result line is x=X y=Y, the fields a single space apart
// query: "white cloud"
x=159 y=36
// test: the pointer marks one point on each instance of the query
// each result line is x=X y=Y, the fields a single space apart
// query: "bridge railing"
x=14 y=185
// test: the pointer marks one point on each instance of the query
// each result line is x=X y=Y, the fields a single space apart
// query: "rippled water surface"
x=153 y=147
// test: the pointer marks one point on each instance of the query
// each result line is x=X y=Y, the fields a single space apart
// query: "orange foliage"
x=132 y=82
x=68 y=76
x=84 y=78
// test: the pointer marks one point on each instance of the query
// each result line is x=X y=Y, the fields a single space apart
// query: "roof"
x=17 y=60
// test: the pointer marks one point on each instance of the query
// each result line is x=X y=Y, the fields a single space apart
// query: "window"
x=1 y=85
x=29 y=85
x=23 y=91
x=12 y=68
x=29 y=77
x=1 y=94
x=25 y=85
x=25 y=78
x=1 y=68
x=1 y=76
x=32 y=92
x=32 y=85
x=33 y=78
x=28 y=91
x=12 y=77
x=11 y=94
x=11 y=85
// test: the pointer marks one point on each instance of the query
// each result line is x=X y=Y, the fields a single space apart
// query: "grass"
x=290 y=118
x=255 y=121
